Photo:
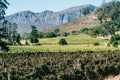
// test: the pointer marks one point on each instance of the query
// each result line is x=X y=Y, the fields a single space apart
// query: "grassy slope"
x=85 y=21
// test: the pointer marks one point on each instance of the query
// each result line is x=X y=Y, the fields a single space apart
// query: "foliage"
x=25 y=36
x=83 y=30
x=41 y=34
x=65 y=34
x=73 y=32
x=96 y=43
x=57 y=32
x=112 y=10
x=82 y=65
x=115 y=44
x=3 y=7
x=50 y=35
x=114 y=38
x=62 y=42
x=34 y=35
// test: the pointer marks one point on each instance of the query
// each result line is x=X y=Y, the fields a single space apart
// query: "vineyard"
x=82 y=65
x=73 y=40
x=59 y=48
x=75 y=44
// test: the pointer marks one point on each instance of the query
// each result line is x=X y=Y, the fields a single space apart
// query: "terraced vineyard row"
x=82 y=65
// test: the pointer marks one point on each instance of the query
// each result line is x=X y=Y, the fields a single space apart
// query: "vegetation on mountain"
x=86 y=11
x=110 y=10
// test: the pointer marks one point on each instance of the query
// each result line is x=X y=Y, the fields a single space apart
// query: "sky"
x=42 y=5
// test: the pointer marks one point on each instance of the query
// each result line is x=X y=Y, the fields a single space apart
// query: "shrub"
x=115 y=44
x=50 y=35
x=34 y=40
x=65 y=34
x=62 y=42
x=96 y=43
x=114 y=38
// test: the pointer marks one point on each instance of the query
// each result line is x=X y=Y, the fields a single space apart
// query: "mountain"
x=88 y=21
x=46 y=19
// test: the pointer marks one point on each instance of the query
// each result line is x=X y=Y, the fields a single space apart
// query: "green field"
x=72 y=40
x=57 y=48
x=75 y=44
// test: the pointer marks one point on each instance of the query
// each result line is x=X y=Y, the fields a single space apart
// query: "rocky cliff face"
x=46 y=19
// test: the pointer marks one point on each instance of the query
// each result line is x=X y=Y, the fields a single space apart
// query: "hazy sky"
x=41 y=5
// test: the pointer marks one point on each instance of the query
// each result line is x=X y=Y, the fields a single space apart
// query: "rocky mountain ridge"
x=46 y=19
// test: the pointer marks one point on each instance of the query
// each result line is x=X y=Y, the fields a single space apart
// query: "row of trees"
x=12 y=37
x=109 y=10
x=39 y=34
x=8 y=31
x=33 y=36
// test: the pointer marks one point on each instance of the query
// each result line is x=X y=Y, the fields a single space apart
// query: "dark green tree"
x=109 y=10
x=18 y=38
x=115 y=44
x=57 y=32
x=50 y=35
x=3 y=7
x=111 y=27
x=65 y=34
x=14 y=33
x=34 y=35
x=62 y=42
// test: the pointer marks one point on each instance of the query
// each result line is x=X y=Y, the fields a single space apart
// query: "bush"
x=114 y=38
x=62 y=42
x=34 y=40
x=65 y=34
x=96 y=43
x=115 y=44
x=50 y=35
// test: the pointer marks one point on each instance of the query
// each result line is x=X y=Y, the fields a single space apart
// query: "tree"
x=115 y=44
x=109 y=10
x=62 y=42
x=111 y=27
x=65 y=34
x=34 y=35
x=57 y=32
x=41 y=34
x=14 y=33
x=50 y=35
x=114 y=40
x=3 y=7
x=18 y=39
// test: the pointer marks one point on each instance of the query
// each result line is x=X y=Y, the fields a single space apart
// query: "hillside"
x=88 y=21
x=46 y=19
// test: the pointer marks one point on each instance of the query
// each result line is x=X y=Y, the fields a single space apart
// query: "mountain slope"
x=46 y=19
x=88 y=21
